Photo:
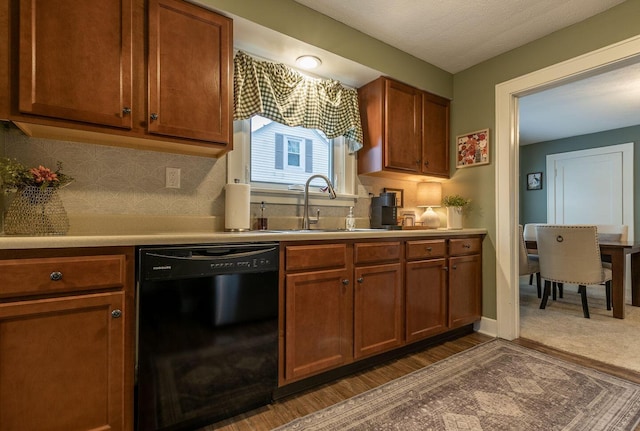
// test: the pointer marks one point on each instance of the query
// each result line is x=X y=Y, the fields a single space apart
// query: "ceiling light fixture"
x=308 y=61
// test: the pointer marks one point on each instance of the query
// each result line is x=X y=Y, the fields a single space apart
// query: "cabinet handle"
x=429 y=249
x=55 y=276
x=361 y=280
x=154 y=116
x=418 y=162
x=345 y=281
x=466 y=245
x=455 y=266
x=445 y=268
x=126 y=110
x=426 y=163
x=116 y=313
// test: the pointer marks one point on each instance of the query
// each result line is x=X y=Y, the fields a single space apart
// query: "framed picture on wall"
x=472 y=149
x=534 y=181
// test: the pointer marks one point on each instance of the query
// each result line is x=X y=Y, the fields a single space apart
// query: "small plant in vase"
x=36 y=209
x=455 y=204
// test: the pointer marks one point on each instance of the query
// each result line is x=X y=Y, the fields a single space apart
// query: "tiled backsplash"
x=122 y=181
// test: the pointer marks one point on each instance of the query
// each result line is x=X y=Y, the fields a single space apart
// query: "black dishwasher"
x=206 y=333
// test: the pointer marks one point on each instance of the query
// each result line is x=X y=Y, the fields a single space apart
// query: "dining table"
x=617 y=252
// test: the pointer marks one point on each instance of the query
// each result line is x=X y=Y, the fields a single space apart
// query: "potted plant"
x=455 y=205
x=36 y=208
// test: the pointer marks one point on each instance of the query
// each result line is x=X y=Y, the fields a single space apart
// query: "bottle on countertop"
x=350 y=220
x=263 y=223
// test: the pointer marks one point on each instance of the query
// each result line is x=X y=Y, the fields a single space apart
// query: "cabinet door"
x=62 y=363
x=426 y=298
x=318 y=322
x=377 y=309
x=189 y=72
x=465 y=290
x=435 y=135
x=403 y=119
x=75 y=60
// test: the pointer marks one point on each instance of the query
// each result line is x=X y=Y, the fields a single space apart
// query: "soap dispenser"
x=350 y=221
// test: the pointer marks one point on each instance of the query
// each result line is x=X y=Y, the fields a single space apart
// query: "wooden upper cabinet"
x=190 y=51
x=435 y=135
x=406 y=131
x=75 y=60
x=403 y=113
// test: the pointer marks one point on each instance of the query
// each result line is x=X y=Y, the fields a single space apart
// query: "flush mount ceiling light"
x=308 y=61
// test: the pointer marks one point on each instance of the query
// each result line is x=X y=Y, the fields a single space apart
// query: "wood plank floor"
x=298 y=405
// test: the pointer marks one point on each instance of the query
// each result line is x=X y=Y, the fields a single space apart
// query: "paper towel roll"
x=236 y=206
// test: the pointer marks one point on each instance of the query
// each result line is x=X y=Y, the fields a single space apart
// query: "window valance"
x=282 y=94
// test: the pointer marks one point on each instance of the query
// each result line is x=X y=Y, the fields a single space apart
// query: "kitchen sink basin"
x=314 y=230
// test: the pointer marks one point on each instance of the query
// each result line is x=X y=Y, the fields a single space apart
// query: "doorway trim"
x=507 y=170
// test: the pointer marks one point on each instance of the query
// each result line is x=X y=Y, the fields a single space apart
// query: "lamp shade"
x=429 y=194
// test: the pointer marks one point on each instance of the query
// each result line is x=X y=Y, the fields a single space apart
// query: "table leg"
x=635 y=279
x=617 y=281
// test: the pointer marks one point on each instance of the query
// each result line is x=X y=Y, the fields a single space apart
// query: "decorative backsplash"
x=116 y=181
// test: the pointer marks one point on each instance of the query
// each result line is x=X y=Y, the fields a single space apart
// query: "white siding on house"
x=263 y=155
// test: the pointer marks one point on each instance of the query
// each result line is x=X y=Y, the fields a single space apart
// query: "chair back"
x=523 y=258
x=530 y=231
x=570 y=254
x=613 y=232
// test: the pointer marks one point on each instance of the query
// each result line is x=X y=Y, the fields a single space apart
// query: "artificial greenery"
x=15 y=176
x=455 y=201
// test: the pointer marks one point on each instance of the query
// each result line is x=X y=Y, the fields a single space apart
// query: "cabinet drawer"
x=315 y=256
x=465 y=246
x=63 y=274
x=371 y=252
x=425 y=249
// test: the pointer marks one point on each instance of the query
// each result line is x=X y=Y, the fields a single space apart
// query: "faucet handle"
x=315 y=221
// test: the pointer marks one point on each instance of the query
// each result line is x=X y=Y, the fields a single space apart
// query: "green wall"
x=472 y=90
x=473 y=108
x=533 y=158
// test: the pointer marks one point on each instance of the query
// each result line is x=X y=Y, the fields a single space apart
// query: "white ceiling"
x=457 y=34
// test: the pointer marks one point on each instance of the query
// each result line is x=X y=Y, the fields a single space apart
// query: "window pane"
x=288 y=155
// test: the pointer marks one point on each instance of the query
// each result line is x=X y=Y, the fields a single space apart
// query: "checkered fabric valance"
x=282 y=94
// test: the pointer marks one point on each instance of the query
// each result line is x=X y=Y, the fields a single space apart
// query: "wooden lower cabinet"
x=66 y=345
x=426 y=290
x=349 y=300
x=377 y=309
x=465 y=290
x=318 y=323
x=465 y=281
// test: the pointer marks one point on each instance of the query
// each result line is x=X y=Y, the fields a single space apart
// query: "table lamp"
x=429 y=196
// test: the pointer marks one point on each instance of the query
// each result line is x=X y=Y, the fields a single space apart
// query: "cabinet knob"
x=154 y=116
x=116 y=313
x=418 y=162
x=345 y=281
x=55 y=276
x=466 y=245
x=445 y=268
x=126 y=110
x=455 y=266
x=426 y=163
x=361 y=280
x=429 y=249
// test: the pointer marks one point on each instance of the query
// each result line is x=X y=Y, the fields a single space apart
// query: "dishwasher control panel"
x=172 y=263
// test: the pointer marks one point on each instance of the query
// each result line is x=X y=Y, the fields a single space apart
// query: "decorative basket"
x=36 y=211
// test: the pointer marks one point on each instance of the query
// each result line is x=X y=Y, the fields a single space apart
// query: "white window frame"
x=301 y=154
x=344 y=172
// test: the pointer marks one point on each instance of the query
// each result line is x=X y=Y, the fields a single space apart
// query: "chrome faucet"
x=306 y=222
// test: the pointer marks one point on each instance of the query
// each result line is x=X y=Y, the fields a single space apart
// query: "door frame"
x=507 y=169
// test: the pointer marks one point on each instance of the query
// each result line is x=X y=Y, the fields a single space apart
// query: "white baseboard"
x=487 y=327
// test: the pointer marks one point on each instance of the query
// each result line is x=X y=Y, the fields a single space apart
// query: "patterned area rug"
x=495 y=386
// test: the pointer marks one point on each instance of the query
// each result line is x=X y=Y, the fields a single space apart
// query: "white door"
x=591 y=186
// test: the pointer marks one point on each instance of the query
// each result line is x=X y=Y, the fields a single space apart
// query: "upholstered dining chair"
x=571 y=254
x=528 y=263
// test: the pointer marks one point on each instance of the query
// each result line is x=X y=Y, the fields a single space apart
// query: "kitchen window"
x=277 y=160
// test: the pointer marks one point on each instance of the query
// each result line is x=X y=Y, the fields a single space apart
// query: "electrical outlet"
x=172 y=178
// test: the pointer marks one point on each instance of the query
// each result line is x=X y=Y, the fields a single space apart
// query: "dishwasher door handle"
x=213 y=258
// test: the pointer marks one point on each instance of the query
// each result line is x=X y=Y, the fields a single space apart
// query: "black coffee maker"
x=384 y=213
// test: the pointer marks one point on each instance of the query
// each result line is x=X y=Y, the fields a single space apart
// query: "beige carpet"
x=494 y=386
x=561 y=325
